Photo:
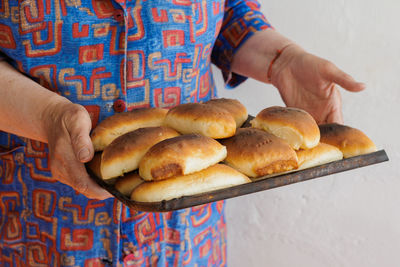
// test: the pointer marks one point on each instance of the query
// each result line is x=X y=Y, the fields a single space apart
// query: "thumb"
x=79 y=129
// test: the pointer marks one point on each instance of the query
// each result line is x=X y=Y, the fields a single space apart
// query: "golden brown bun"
x=216 y=177
x=257 y=153
x=95 y=163
x=180 y=155
x=295 y=126
x=126 y=184
x=233 y=106
x=207 y=120
x=321 y=154
x=350 y=141
x=121 y=123
x=124 y=153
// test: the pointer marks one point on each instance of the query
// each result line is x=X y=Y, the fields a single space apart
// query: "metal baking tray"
x=260 y=184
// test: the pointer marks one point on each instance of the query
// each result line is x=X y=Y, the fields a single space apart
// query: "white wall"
x=349 y=219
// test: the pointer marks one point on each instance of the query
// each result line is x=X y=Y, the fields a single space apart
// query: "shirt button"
x=119 y=15
x=119 y=105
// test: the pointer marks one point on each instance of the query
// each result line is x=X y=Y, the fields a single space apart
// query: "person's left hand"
x=308 y=82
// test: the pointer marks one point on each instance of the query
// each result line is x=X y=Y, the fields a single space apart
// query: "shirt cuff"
x=241 y=20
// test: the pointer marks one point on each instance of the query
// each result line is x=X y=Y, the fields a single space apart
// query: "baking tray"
x=259 y=184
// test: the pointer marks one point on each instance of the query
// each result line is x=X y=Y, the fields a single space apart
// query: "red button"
x=119 y=105
x=119 y=15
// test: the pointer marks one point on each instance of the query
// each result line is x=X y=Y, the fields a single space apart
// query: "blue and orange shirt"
x=112 y=56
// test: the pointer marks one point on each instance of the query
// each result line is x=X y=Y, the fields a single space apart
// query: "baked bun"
x=94 y=164
x=319 y=155
x=216 y=177
x=233 y=106
x=180 y=155
x=121 y=123
x=352 y=142
x=257 y=153
x=124 y=153
x=207 y=120
x=295 y=126
x=126 y=184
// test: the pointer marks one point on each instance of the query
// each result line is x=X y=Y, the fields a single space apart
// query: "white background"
x=349 y=219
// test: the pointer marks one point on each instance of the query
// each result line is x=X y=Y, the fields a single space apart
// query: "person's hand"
x=68 y=127
x=308 y=82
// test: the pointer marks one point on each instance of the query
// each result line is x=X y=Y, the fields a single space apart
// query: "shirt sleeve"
x=242 y=19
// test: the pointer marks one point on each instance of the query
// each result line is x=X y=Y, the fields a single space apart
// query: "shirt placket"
x=119 y=105
x=120 y=15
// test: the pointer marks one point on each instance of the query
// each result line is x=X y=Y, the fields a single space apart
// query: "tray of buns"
x=162 y=160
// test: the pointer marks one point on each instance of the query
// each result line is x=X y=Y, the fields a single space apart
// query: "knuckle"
x=81 y=186
x=75 y=115
x=78 y=140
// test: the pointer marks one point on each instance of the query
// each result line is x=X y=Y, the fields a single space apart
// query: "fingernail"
x=84 y=154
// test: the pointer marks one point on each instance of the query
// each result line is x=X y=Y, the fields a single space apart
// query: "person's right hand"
x=309 y=82
x=68 y=127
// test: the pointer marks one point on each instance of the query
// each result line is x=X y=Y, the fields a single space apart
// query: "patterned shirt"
x=112 y=56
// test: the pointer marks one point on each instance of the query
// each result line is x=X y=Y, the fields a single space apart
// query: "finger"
x=68 y=170
x=335 y=115
x=79 y=125
x=344 y=80
x=86 y=186
x=79 y=180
